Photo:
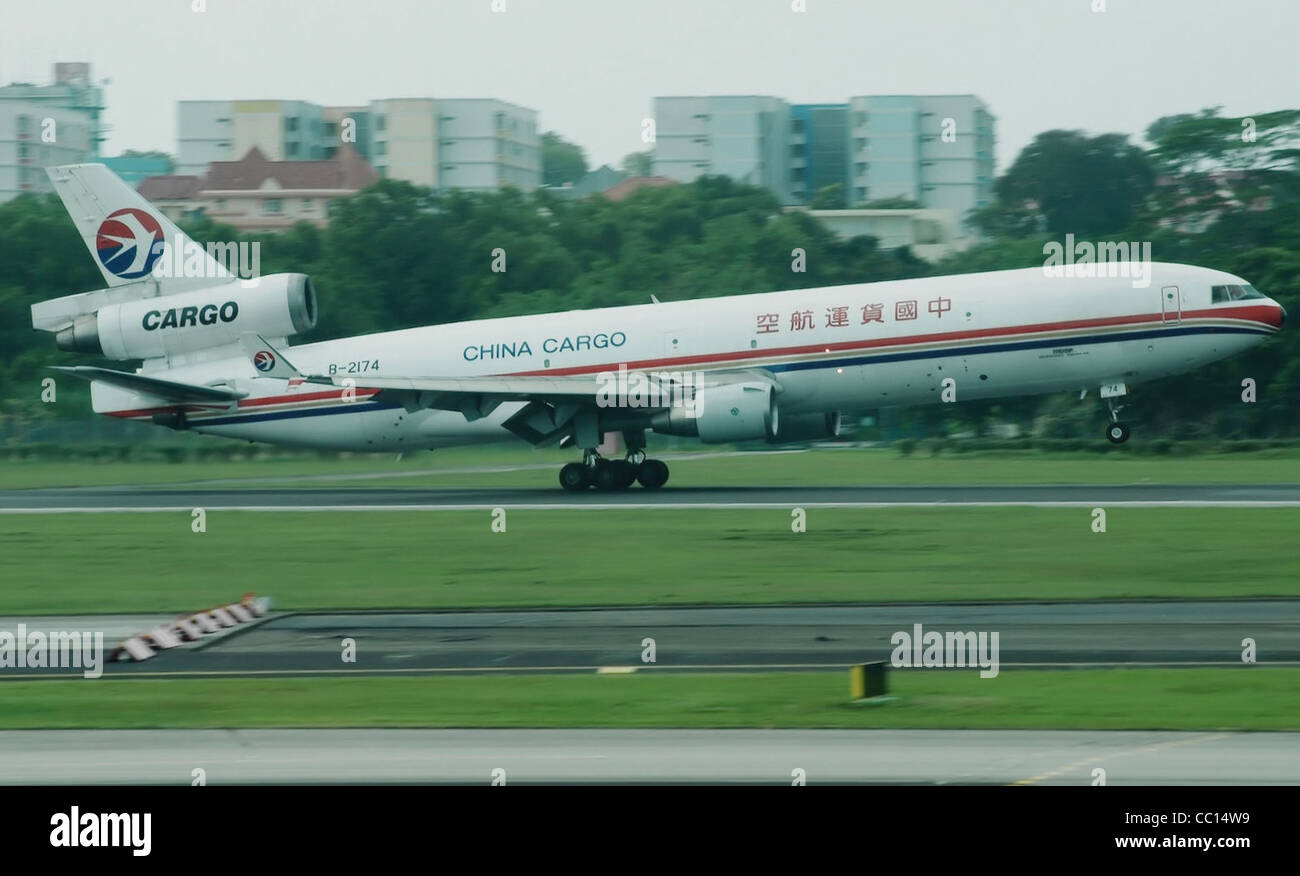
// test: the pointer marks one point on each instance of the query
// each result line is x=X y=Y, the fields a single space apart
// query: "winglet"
x=268 y=361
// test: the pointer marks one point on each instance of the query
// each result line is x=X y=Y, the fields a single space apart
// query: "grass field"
x=707 y=467
x=153 y=562
x=1255 y=698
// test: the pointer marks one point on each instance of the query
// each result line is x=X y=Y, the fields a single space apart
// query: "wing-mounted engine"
x=724 y=413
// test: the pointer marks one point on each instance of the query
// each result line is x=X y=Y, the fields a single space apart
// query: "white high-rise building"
x=484 y=144
x=744 y=137
x=441 y=143
x=404 y=139
x=45 y=125
x=225 y=130
x=936 y=151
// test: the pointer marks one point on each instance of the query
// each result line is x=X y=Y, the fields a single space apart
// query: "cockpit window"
x=1233 y=293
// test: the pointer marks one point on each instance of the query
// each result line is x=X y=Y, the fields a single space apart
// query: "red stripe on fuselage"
x=261 y=401
x=1259 y=313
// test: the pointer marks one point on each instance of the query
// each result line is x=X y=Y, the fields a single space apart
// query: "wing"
x=552 y=404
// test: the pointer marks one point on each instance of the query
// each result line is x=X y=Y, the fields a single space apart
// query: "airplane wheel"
x=626 y=473
x=652 y=474
x=611 y=475
x=1117 y=433
x=573 y=477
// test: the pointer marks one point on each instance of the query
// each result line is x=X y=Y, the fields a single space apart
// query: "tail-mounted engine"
x=278 y=305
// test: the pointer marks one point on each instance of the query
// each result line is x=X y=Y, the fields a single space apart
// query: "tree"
x=638 y=163
x=829 y=197
x=562 y=161
x=1189 y=143
x=1080 y=184
x=150 y=153
x=1210 y=165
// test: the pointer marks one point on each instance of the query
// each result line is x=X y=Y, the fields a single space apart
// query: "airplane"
x=774 y=366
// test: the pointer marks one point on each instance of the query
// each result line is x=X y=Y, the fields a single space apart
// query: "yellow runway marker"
x=1092 y=760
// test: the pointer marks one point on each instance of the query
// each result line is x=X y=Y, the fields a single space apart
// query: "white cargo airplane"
x=777 y=366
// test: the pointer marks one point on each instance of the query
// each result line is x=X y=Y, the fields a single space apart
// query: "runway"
x=758 y=638
x=152 y=498
x=478 y=757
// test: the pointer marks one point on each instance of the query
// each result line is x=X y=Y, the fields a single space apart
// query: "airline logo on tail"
x=264 y=360
x=128 y=243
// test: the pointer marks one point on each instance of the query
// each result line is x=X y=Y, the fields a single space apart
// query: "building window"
x=381 y=122
x=291 y=124
x=273 y=206
x=292 y=149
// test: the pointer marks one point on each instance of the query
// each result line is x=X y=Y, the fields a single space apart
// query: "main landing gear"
x=613 y=474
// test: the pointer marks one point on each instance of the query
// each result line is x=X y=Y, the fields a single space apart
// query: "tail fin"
x=126 y=235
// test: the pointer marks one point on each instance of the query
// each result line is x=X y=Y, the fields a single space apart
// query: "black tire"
x=573 y=477
x=626 y=472
x=608 y=476
x=652 y=474
x=1117 y=433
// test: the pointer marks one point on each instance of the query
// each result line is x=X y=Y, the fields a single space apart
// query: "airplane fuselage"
x=888 y=344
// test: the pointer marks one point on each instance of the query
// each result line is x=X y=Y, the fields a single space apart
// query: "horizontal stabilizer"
x=172 y=390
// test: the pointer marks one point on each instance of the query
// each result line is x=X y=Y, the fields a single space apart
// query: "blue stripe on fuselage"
x=349 y=408
x=951 y=352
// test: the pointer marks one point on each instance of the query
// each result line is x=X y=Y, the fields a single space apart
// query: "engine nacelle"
x=279 y=305
x=807 y=427
x=732 y=412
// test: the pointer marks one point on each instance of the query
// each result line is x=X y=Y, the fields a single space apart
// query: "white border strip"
x=676 y=506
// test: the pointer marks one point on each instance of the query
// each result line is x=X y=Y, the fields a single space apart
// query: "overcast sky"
x=592 y=67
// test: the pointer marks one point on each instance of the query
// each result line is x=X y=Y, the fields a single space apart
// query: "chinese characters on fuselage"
x=842 y=316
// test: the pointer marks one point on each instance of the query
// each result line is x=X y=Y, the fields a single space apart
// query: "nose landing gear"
x=1116 y=432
